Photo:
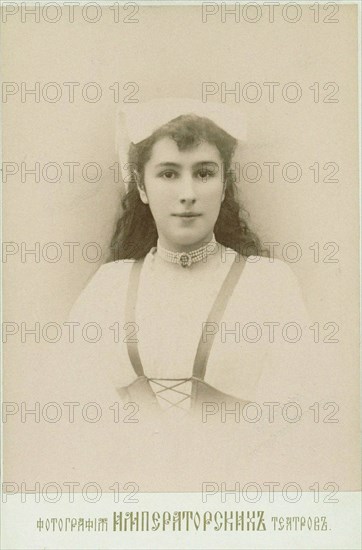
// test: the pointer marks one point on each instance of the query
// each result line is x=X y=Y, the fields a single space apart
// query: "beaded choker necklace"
x=186 y=259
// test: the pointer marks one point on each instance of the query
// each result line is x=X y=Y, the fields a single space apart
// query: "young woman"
x=191 y=307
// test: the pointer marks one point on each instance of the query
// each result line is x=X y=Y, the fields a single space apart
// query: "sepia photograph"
x=180 y=261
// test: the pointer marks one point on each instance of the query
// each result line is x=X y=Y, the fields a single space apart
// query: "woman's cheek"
x=214 y=198
x=154 y=196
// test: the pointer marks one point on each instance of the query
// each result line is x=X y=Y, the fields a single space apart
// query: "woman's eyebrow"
x=173 y=164
x=203 y=162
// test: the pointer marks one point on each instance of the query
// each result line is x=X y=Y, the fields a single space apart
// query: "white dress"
x=257 y=356
x=256 y=352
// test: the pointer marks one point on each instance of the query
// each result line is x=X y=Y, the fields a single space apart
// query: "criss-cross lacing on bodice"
x=172 y=392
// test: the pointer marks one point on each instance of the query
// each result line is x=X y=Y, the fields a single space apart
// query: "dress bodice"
x=188 y=393
x=249 y=359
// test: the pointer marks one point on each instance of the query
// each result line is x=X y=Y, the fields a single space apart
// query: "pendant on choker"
x=186 y=259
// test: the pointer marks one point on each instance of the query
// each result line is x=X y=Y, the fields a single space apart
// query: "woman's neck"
x=180 y=247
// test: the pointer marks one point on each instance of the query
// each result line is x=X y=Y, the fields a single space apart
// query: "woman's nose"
x=187 y=190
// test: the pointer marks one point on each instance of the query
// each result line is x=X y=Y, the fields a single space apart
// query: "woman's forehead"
x=166 y=150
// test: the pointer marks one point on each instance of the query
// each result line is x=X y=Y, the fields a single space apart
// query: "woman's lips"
x=187 y=215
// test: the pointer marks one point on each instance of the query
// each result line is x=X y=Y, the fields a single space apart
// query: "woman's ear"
x=141 y=188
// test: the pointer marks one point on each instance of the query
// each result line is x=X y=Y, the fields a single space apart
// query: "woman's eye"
x=205 y=174
x=168 y=175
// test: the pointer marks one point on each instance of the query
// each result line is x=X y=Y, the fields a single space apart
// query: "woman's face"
x=184 y=190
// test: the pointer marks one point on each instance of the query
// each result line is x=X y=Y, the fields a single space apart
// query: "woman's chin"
x=189 y=239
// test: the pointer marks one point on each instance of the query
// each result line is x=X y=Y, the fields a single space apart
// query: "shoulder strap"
x=215 y=315
x=132 y=347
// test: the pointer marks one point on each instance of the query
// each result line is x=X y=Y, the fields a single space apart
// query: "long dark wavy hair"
x=136 y=231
